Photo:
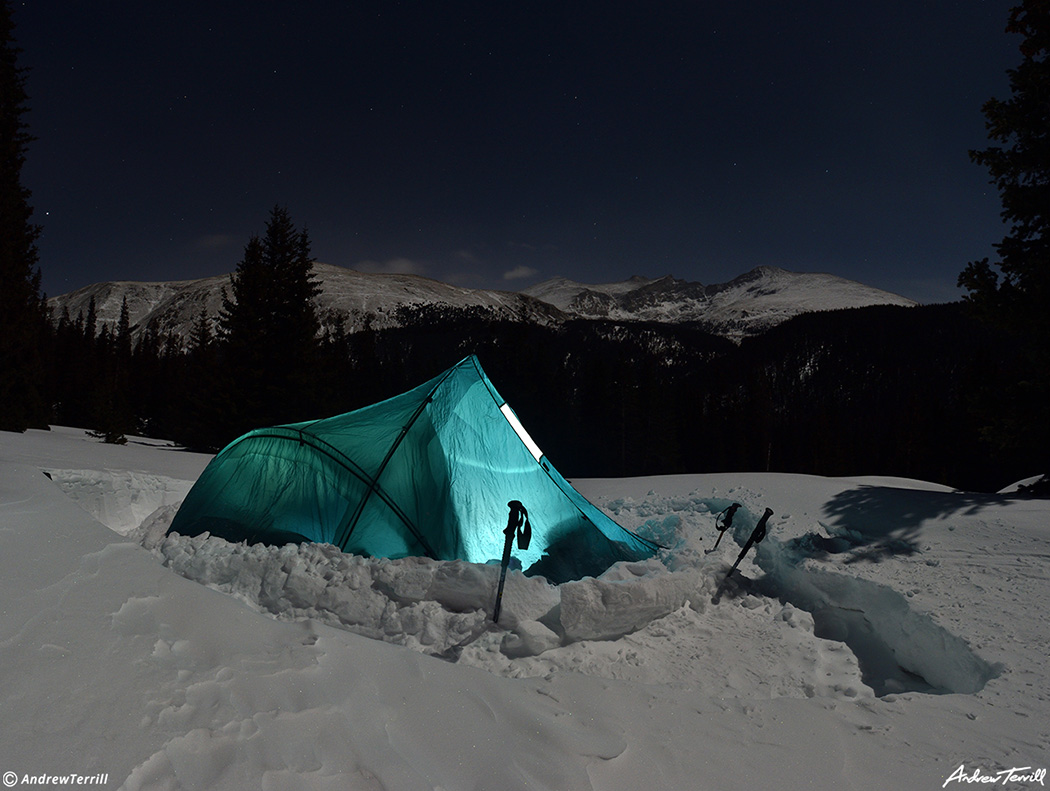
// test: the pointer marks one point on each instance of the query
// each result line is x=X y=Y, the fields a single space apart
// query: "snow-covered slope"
x=166 y=307
x=747 y=305
x=173 y=307
x=808 y=673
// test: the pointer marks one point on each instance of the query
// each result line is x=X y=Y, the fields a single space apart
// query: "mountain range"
x=746 y=305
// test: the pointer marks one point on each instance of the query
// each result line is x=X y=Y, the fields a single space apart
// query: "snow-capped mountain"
x=747 y=305
x=380 y=300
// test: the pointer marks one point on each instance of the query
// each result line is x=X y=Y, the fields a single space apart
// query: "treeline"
x=262 y=361
x=872 y=391
x=875 y=391
x=881 y=391
x=920 y=392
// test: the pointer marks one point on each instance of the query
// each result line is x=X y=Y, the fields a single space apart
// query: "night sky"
x=497 y=144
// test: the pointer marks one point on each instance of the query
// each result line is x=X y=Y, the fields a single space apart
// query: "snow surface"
x=885 y=633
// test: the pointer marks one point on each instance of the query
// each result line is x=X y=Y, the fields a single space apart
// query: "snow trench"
x=119 y=499
x=780 y=633
x=899 y=649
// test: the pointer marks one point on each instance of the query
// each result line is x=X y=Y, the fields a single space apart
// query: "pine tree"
x=202 y=412
x=286 y=255
x=113 y=414
x=201 y=336
x=23 y=314
x=123 y=339
x=91 y=322
x=1017 y=302
x=269 y=329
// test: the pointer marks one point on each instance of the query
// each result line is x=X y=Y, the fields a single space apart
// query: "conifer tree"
x=202 y=413
x=1018 y=300
x=113 y=414
x=123 y=338
x=269 y=329
x=23 y=314
x=91 y=322
x=201 y=336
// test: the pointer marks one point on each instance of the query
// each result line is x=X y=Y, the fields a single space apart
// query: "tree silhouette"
x=23 y=315
x=269 y=330
x=113 y=417
x=1020 y=169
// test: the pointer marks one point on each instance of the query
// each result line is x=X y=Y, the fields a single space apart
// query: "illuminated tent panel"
x=429 y=472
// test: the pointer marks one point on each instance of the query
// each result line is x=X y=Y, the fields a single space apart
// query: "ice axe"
x=517 y=524
x=727 y=521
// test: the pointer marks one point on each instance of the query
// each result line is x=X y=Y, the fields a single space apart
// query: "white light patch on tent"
x=519 y=429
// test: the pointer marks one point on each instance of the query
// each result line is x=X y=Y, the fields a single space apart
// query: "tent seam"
x=352 y=523
x=315 y=442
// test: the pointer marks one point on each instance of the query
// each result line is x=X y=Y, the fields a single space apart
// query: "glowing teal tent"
x=429 y=472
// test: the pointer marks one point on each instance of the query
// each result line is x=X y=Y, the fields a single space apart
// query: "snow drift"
x=442 y=608
x=112 y=664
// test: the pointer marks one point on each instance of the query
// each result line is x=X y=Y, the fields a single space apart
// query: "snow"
x=747 y=305
x=359 y=297
x=885 y=633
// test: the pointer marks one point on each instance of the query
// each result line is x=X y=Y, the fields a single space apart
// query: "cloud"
x=394 y=266
x=519 y=273
x=466 y=256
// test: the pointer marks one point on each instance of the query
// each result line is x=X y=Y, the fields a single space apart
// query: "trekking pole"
x=729 y=511
x=517 y=523
x=756 y=536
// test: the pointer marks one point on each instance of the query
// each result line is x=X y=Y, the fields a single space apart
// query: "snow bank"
x=111 y=664
x=429 y=606
x=599 y=626
x=899 y=649
x=1019 y=487
x=120 y=499
x=444 y=608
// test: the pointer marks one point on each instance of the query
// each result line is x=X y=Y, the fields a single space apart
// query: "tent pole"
x=349 y=528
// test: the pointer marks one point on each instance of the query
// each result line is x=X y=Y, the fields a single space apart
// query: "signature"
x=1016 y=774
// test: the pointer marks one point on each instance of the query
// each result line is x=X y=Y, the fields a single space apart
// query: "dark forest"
x=872 y=391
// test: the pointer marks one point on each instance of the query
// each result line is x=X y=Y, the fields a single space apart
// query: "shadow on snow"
x=873 y=523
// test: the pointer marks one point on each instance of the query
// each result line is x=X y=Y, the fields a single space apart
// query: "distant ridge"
x=747 y=305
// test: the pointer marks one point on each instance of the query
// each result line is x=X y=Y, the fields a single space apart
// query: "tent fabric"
x=426 y=473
